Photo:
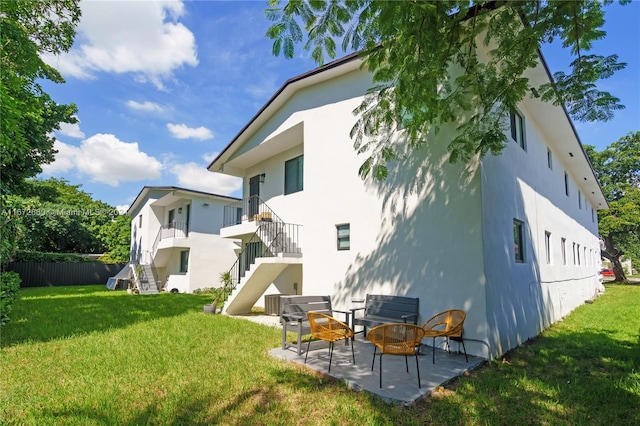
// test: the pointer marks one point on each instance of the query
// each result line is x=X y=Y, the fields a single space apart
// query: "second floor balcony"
x=244 y=216
x=168 y=234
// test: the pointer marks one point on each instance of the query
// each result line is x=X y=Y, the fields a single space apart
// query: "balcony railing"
x=270 y=240
x=171 y=230
x=247 y=210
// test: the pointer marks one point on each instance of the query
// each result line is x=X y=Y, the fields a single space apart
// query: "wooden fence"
x=37 y=274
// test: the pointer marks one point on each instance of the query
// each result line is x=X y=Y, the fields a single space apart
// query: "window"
x=593 y=218
x=184 y=261
x=563 y=248
x=293 y=172
x=140 y=221
x=344 y=236
x=579 y=200
x=566 y=184
x=517 y=129
x=574 y=254
x=547 y=246
x=578 y=253
x=549 y=159
x=518 y=240
x=584 y=256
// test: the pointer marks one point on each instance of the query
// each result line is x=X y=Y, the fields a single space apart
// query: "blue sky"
x=162 y=87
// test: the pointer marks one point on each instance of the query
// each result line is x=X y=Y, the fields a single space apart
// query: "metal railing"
x=282 y=239
x=171 y=230
x=249 y=209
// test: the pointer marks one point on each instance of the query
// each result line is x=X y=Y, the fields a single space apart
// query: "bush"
x=36 y=256
x=9 y=285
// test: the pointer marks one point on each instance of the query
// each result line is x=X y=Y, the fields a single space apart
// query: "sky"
x=163 y=86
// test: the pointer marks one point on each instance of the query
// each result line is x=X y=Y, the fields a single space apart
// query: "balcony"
x=243 y=217
x=171 y=235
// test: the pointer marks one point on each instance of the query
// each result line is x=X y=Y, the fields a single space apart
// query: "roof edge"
x=318 y=70
x=147 y=188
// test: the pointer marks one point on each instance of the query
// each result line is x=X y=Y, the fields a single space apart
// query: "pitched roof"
x=575 y=156
x=146 y=189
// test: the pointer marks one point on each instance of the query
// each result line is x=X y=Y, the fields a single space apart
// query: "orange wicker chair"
x=329 y=329
x=447 y=324
x=396 y=339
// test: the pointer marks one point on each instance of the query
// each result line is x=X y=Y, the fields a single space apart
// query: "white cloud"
x=196 y=176
x=181 y=131
x=141 y=37
x=122 y=208
x=105 y=158
x=145 y=106
x=210 y=156
x=65 y=158
x=71 y=130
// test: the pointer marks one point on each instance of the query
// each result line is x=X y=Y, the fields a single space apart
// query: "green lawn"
x=88 y=356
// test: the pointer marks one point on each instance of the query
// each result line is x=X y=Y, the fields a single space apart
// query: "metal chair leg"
x=374 y=357
x=381 y=369
x=307 y=354
x=353 y=353
x=418 y=369
x=330 y=355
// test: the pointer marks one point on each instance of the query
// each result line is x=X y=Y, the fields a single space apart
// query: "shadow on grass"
x=574 y=378
x=291 y=396
x=49 y=313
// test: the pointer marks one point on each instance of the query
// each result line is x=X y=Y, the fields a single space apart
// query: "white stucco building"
x=175 y=239
x=511 y=239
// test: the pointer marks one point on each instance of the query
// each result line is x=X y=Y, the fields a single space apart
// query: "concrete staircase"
x=256 y=280
x=145 y=281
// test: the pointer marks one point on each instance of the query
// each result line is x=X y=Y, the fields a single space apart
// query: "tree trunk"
x=611 y=253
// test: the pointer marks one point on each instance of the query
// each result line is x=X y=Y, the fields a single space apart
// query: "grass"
x=88 y=356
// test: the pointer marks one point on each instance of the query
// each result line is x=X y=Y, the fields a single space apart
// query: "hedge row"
x=39 y=257
x=9 y=285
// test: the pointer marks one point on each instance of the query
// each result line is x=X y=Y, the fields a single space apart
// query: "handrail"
x=283 y=239
x=170 y=230
x=249 y=209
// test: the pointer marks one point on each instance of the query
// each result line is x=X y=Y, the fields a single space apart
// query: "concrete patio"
x=398 y=386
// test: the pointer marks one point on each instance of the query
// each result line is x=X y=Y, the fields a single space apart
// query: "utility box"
x=272 y=304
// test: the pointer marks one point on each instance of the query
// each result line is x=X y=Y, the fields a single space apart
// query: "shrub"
x=9 y=285
x=36 y=256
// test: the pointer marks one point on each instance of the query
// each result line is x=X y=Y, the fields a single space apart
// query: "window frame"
x=547 y=247
x=298 y=184
x=517 y=128
x=549 y=159
x=343 y=238
x=519 y=241
x=563 y=248
x=579 y=200
x=184 y=262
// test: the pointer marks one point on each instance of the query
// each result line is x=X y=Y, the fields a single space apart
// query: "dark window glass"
x=293 y=175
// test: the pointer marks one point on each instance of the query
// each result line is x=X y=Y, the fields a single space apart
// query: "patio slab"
x=398 y=386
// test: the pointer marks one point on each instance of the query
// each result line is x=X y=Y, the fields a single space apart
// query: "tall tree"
x=618 y=170
x=62 y=218
x=116 y=236
x=28 y=115
x=412 y=47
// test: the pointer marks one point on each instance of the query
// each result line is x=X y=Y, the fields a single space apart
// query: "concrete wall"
x=440 y=232
x=209 y=254
x=409 y=234
x=525 y=298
